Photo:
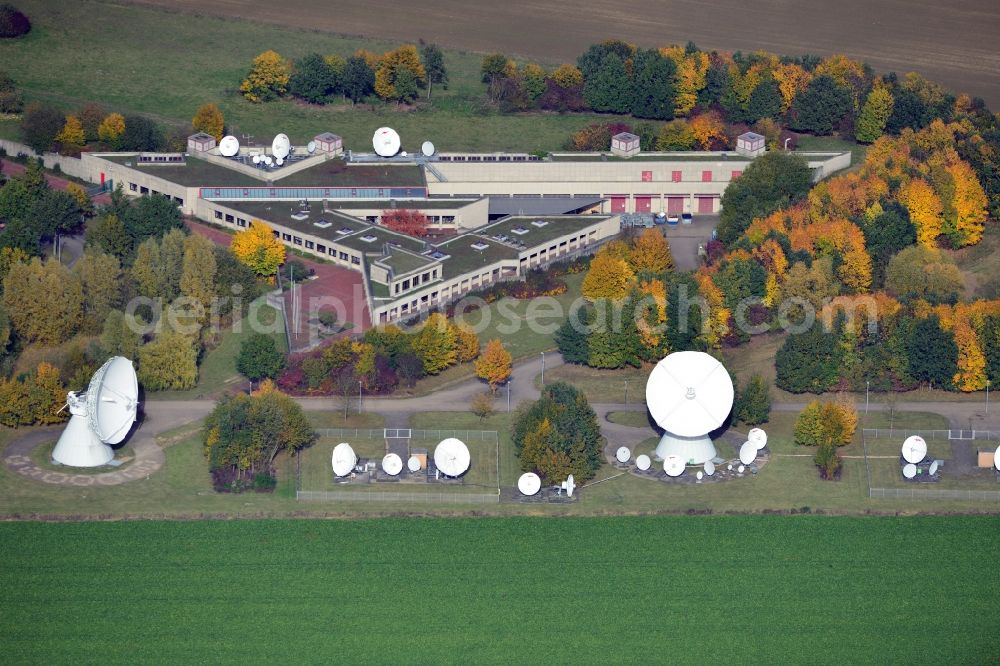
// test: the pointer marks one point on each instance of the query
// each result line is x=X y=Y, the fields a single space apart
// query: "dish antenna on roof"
x=392 y=464
x=311 y=147
x=413 y=464
x=758 y=437
x=914 y=449
x=279 y=161
x=229 y=146
x=996 y=458
x=643 y=462
x=452 y=457
x=386 y=142
x=673 y=466
x=934 y=468
x=709 y=468
x=689 y=395
x=343 y=459
x=427 y=148
x=268 y=160
x=569 y=485
x=529 y=483
x=623 y=454
x=281 y=146
x=100 y=417
x=256 y=159
x=748 y=452
x=909 y=470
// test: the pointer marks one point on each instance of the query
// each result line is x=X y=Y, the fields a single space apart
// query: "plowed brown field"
x=954 y=43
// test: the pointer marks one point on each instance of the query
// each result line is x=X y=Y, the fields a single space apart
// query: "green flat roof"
x=381 y=237
x=464 y=258
x=402 y=263
x=555 y=226
x=193 y=173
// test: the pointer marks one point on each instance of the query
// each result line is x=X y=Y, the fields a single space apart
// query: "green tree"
x=614 y=341
x=571 y=338
x=886 y=233
x=198 y=270
x=769 y=183
x=118 y=338
x=259 y=358
x=141 y=134
x=433 y=61
x=40 y=124
x=150 y=216
x=44 y=301
x=932 y=353
x=169 y=361
x=874 y=115
x=653 y=86
x=675 y=135
x=313 y=80
x=107 y=235
x=820 y=106
x=100 y=276
x=358 y=80
x=809 y=361
x=924 y=272
x=753 y=407
x=609 y=90
x=765 y=101
x=493 y=68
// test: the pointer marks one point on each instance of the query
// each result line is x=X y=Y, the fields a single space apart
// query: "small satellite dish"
x=729 y=467
x=748 y=452
x=622 y=455
x=281 y=146
x=413 y=464
x=529 y=483
x=699 y=475
x=452 y=457
x=392 y=464
x=569 y=485
x=427 y=148
x=914 y=449
x=403 y=153
x=385 y=142
x=229 y=146
x=100 y=417
x=909 y=470
x=311 y=147
x=279 y=161
x=758 y=437
x=643 y=462
x=256 y=159
x=996 y=458
x=344 y=459
x=934 y=468
x=709 y=468
x=740 y=469
x=268 y=160
x=673 y=466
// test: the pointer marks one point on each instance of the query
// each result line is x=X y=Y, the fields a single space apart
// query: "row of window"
x=414 y=282
x=313 y=192
x=295 y=240
x=133 y=187
x=677 y=176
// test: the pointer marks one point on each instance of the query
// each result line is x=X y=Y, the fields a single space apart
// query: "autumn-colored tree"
x=466 y=343
x=533 y=81
x=71 y=137
x=689 y=77
x=925 y=210
x=391 y=72
x=44 y=301
x=111 y=129
x=608 y=277
x=535 y=444
x=90 y=116
x=971 y=375
x=874 y=114
x=494 y=365
x=848 y=74
x=675 y=135
x=100 y=277
x=82 y=198
x=482 y=405
x=567 y=76
x=405 y=221
x=709 y=130
x=268 y=78
x=435 y=344
x=198 y=270
x=651 y=326
x=209 y=119
x=258 y=249
x=555 y=466
x=47 y=395
x=792 y=79
x=651 y=253
x=168 y=362
x=968 y=203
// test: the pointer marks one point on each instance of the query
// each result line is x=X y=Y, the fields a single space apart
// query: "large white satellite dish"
x=934 y=468
x=748 y=452
x=622 y=455
x=452 y=457
x=529 y=483
x=689 y=395
x=392 y=464
x=569 y=485
x=311 y=147
x=758 y=437
x=281 y=146
x=385 y=142
x=427 y=148
x=909 y=470
x=996 y=458
x=643 y=462
x=229 y=146
x=709 y=468
x=413 y=464
x=914 y=449
x=100 y=417
x=673 y=466
x=343 y=459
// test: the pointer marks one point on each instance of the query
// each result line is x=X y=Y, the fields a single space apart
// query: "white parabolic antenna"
x=392 y=464
x=740 y=469
x=529 y=483
x=643 y=462
x=758 y=437
x=100 y=417
x=385 y=142
x=623 y=454
x=909 y=470
x=709 y=468
x=256 y=159
x=427 y=148
x=413 y=464
x=689 y=395
x=344 y=459
x=229 y=146
x=311 y=147
x=914 y=449
x=996 y=458
x=569 y=485
x=748 y=452
x=279 y=160
x=281 y=146
x=699 y=475
x=934 y=468
x=673 y=466
x=452 y=457
x=268 y=160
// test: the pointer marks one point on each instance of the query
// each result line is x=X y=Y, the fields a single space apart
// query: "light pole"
x=509 y=380
x=786 y=143
x=543 y=368
x=626 y=391
x=866 y=397
x=987 y=397
x=359 y=397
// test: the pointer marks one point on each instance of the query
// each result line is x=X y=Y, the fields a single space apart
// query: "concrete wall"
x=71 y=166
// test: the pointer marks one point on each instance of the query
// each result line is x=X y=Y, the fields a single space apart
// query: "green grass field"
x=726 y=589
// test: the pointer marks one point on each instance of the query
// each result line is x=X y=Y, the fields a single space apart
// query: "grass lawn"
x=631 y=419
x=832 y=143
x=813 y=588
x=603 y=386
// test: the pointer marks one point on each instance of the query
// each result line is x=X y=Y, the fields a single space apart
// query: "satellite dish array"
x=529 y=484
x=386 y=143
x=451 y=458
x=100 y=417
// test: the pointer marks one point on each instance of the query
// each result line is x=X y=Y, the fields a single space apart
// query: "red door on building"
x=675 y=205
x=706 y=204
x=618 y=204
x=643 y=204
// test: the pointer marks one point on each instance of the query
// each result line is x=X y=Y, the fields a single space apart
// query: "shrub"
x=13 y=23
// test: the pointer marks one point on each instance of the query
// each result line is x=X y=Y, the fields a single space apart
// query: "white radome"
x=758 y=437
x=343 y=459
x=452 y=457
x=229 y=146
x=281 y=146
x=996 y=458
x=689 y=395
x=413 y=464
x=529 y=483
x=385 y=142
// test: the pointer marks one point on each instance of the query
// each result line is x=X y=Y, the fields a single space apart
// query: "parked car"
x=672 y=219
x=686 y=218
x=660 y=218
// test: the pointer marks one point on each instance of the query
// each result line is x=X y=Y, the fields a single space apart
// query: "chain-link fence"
x=401 y=497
